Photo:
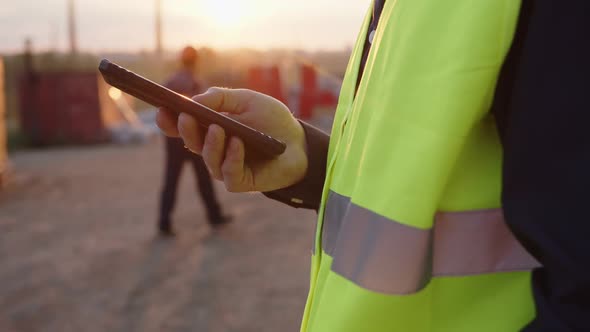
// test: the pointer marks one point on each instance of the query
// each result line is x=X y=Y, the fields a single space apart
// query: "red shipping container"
x=309 y=79
x=62 y=108
x=275 y=87
x=309 y=90
x=306 y=106
x=327 y=98
x=256 y=80
x=266 y=80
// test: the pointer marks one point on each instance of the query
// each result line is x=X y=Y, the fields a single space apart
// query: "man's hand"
x=258 y=111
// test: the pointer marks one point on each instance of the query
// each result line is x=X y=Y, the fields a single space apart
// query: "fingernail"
x=214 y=137
x=191 y=150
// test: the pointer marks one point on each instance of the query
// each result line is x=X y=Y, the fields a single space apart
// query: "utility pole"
x=72 y=27
x=158 y=28
x=53 y=37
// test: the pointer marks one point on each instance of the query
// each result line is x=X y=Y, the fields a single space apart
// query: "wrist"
x=305 y=190
x=300 y=155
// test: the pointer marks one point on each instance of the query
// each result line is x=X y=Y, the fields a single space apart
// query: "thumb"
x=232 y=101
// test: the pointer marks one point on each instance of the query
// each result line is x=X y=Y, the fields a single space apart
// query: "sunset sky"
x=121 y=25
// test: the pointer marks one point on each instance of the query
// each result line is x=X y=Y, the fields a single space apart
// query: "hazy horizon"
x=128 y=26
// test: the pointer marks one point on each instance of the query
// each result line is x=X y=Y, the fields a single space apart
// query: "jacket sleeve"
x=544 y=120
x=307 y=193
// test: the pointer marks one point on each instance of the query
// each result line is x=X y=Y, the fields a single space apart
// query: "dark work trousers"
x=176 y=156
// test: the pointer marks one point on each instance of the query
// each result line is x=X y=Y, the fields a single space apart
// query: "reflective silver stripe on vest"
x=388 y=257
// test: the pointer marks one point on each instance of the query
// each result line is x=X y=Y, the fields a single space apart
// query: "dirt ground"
x=78 y=250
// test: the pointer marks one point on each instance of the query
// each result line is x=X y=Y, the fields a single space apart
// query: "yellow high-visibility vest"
x=411 y=236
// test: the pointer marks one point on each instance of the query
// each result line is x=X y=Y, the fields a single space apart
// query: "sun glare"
x=227 y=12
x=115 y=93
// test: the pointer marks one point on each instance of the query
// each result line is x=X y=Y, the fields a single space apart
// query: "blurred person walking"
x=452 y=191
x=185 y=83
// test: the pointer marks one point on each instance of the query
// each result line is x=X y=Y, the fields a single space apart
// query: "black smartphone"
x=257 y=144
